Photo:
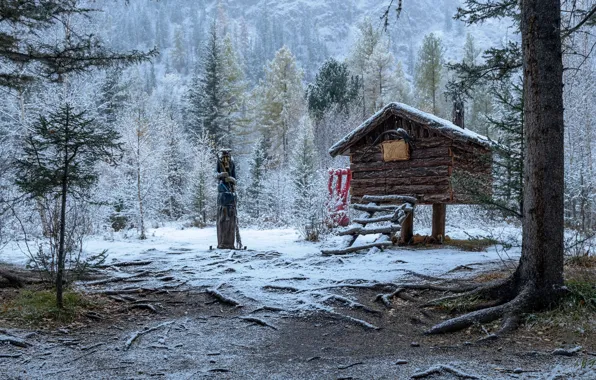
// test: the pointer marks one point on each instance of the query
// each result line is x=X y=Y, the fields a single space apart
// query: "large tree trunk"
x=541 y=264
x=538 y=281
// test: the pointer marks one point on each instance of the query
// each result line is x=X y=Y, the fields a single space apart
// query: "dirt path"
x=195 y=338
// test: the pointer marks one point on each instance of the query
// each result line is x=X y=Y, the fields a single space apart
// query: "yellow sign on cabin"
x=395 y=150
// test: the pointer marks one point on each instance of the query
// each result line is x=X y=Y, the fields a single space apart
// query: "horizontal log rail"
x=396 y=214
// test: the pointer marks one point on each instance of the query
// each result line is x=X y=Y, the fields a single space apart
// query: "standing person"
x=227 y=217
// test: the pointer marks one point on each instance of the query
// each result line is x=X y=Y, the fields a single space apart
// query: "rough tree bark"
x=541 y=264
x=538 y=280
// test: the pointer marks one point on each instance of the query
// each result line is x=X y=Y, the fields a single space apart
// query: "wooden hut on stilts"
x=404 y=155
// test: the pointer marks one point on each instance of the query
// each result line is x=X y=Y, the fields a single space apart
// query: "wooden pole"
x=407 y=228
x=439 y=213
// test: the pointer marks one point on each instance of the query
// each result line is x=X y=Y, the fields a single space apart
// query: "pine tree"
x=216 y=96
x=233 y=97
x=403 y=92
x=429 y=72
x=379 y=77
x=359 y=60
x=25 y=56
x=333 y=87
x=303 y=171
x=281 y=103
x=203 y=186
x=256 y=188
x=179 y=60
x=173 y=166
x=508 y=127
x=480 y=106
x=112 y=97
x=59 y=157
x=211 y=96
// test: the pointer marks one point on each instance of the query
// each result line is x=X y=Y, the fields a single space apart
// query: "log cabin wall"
x=426 y=175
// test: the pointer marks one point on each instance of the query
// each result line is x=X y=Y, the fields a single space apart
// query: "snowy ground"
x=279 y=268
x=202 y=339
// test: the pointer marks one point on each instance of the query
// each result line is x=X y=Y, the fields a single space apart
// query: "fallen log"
x=345 y=251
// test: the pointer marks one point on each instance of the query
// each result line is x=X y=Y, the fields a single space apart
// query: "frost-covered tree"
x=59 y=156
x=216 y=96
x=112 y=97
x=209 y=106
x=429 y=73
x=257 y=172
x=234 y=90
x=359 y=59
x=334 y=86
x=403 y=91
x=173 y=166
x=480 y=105
x=580 y=138
x=202 y=186
x=179 y=59
x=281 y=103
x=139 y=170
x=379 y=80
x=303 y=173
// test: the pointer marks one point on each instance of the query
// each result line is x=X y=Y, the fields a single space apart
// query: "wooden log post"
x=439 y=214
x=407 y=228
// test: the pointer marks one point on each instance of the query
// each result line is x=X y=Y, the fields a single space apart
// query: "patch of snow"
x=278 y=269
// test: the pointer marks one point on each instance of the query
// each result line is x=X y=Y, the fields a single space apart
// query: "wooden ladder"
x=393 y=210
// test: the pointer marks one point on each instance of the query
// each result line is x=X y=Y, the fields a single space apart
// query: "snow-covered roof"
x=442 y=126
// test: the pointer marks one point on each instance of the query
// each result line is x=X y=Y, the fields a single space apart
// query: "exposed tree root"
x=290 y=289
x=385 y=299
x=569 y=352
x=120 y=292
x=126 y=264
x=509 y=309
x=357 y=321
x=14 y=341
x=267 y=308
x=443 y=368
x=258 y=321
x=486 y=290
x=143 y=306
x=10 y=356
x=138 y=334
x=349 y=365
x=432 y=278
x=351 y=304
x=463 y=288
x=222 y=298
x=117 y=279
